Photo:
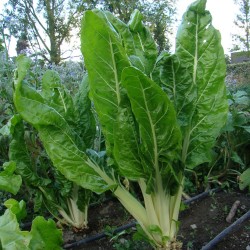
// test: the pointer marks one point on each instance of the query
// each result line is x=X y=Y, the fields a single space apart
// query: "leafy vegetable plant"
x=231 y=152
x=159 y=115
x=42 y=182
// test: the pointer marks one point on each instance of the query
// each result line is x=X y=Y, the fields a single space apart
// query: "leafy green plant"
x=7 y=67
x=158 y=115
x=45 y=186
x=231 y=156
x=43 y=233
x=49 y=188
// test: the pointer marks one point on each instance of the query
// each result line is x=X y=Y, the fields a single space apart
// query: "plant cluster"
x=158 y=115
x=138 y=119
x=230 y=159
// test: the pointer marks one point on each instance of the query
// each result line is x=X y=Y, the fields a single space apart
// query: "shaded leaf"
x=17 y=208
x=9 y=181
x=45 y=235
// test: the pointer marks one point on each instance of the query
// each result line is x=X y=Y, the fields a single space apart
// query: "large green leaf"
x=105 y=58
x=85 y=121
x=196 y=84
x=56 y=96
x=145 y=46
x=9 y=181
x=137 y=41
x=159 y=132
x=45 y=235
x=19 y=153
x=17 y=208
x=126 y=146
x=11 y=237
x=174 y=79
x=59 y=140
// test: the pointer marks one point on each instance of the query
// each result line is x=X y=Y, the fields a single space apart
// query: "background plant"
x=44 y=188
x=230 y=154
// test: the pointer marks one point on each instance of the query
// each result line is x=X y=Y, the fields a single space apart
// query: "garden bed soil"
x=201 y=221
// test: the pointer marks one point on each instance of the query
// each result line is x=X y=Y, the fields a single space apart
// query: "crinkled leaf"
x=61 y=184
x=69 y=160
x=59 y=139
x=105 y=58
x=85 y=120
x=56 y=96
x=83 y=198
x=17 y=208
x=22 y=68
x=19 y=153
x=196 y=84
x=38 y=201
x=174 y=79
x=9 y=181
x=45 y=235
x=126 y=147
x=240 y=118
x=159 y=132
x=123 y=32
x=145 y=47
x=137 y=41
x=155 y=229
x=11 y=237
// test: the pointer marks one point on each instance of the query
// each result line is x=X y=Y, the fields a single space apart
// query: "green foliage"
x=9 y=181
x=1 y=45
x=49 y=188
x=60 y=17
x=17 y=208
x=195 y=84
x=42 y=184
x=43 y=234
x=230 y=157
x=6 y=101
x=159 y=15
x=245 y=180
x=166 y=113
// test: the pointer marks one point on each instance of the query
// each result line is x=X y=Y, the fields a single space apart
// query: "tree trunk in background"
x=54 y=52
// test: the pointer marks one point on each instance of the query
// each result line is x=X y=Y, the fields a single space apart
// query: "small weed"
x=213 y=206
x=190 y=245
x=226 y=209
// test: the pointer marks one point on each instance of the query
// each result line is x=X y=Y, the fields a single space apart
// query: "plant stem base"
x=172 y=245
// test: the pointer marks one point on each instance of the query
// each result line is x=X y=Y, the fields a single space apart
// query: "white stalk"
x=175 y=203
x=149 y=205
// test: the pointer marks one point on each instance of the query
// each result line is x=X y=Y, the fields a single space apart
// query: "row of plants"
x=136 y=120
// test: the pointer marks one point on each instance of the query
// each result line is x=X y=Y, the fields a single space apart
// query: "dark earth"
x=201 y=221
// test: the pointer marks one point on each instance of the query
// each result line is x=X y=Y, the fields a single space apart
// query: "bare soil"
x=201 y=221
